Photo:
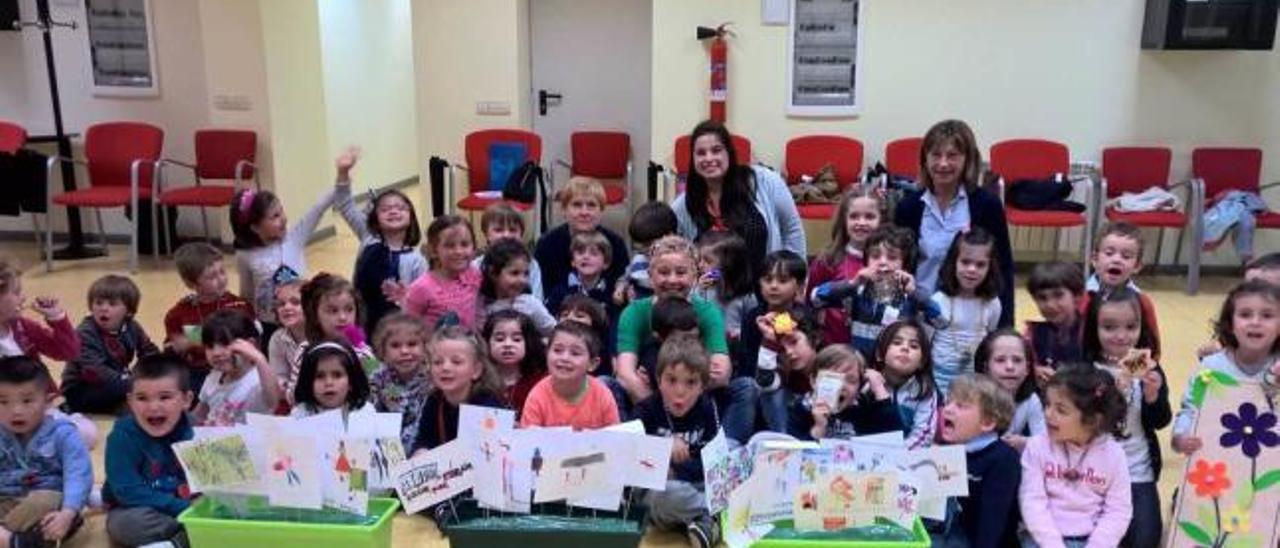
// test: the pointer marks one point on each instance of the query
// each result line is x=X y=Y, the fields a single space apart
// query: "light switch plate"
x=493 y=108
x=232 y=102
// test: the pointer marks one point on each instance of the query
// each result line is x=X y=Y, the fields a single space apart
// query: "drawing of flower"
x=1209 y=479
x=1235 y=520
x=1250 y=430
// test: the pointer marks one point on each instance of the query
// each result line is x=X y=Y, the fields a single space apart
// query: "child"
x=1058 y=290
x=284 y=348
x=591 y=313
x=264 y=242
x=864 y=405
x=332 y=310
x=506 y=283
x=582 y=200
x=499 y=221
x=97 y=380
x=1117 y=258
x=881 y=293
x=1075 y=478
x=591 y=254
x=331 y=378
x=977 y=409
x=649 y=223
x=146 y=488
x=861 y=210
x=401 y=383
x=968 y=303
x=516 y=350
x=460 y=373
x=1266 y=268
x=726 y=278
x=241 y=380
x=568 y=396
x=45 y=471
x=681 y=411
x=22 y=336
x=1113 y=331
x=1248 y=328
x=1005 y=356
x=201 y=269
x=389 y=235
x=903 y=356
x=756 y=354
x=451 y=288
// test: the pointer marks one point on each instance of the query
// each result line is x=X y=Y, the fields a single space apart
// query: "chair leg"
x=36 y=230
x=102 y=231
x=1057 y=243
x=1159 y=246
x=1177 y=250
x=204 y=222
x=155 y=229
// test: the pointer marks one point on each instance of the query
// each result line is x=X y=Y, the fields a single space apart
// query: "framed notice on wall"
x=122 y=53
x=823 y=58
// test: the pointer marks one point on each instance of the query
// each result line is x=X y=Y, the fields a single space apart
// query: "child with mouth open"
x=331 y=378
x=1117 y=258
x=978 y=408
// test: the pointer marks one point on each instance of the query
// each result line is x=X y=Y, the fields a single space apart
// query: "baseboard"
x=91 y=238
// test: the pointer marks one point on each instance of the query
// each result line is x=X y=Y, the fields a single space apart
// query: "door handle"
x=544 y=98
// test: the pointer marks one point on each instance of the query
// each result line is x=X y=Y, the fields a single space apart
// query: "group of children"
x=683 y=336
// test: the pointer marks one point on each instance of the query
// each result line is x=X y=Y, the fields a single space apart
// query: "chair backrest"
x=808 y=154
x=1227 y=169
x=600 y=154
x=1135 y=169
x=477 y=144
x=12 y=137
x=111 y=147
x=219 y=150
x=1022 y=159
x=682 y=153
x=902 y=157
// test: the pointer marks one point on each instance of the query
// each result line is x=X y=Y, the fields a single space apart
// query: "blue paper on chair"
x=504 y=158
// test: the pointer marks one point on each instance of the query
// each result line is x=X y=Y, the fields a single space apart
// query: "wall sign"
x=823 y=58
x=122 y=53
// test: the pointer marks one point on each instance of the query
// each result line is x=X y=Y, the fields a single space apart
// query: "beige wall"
x=1070 y=71
x=367 y=57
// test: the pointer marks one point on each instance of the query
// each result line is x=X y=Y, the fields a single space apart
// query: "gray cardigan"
x=774 y=203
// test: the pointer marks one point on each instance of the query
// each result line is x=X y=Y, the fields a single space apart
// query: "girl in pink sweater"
x=450 y=290
x=1075 y=477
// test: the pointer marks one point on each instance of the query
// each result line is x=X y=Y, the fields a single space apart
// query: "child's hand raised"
x=248 y=351
x=345 y=161
x=907 y=280
x=876 y=384
x=50 y=307
x=821 y=417
x=765 y=323
x=679 y=450
x=1187 y=444
x=1151 y=383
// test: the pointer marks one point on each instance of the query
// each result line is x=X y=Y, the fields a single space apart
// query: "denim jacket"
x=54 y=459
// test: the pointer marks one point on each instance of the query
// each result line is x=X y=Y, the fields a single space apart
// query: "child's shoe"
x=704 y=532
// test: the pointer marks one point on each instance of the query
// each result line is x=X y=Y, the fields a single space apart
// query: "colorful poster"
x=434 y=476
x=1230 y=496
x=723 y=470
x=843 y=499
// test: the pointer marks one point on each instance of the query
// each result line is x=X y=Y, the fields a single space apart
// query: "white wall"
x=1070 y=71
x=367 y=57
x=179 y=109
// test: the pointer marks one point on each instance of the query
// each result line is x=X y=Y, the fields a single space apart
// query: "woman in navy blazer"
x=950 y=202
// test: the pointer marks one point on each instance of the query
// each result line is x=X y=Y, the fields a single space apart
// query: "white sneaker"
x=161 y=544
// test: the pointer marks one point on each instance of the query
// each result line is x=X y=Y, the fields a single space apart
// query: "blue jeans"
x=1145 y=527
x=737 y=406
x=773 y=409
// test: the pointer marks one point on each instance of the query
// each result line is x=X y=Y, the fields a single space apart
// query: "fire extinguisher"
x=719 y=55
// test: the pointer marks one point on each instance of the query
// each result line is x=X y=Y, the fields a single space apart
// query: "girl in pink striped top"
x=451 y=288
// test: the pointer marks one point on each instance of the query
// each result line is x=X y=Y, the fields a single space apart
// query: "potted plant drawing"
x=1227 y=523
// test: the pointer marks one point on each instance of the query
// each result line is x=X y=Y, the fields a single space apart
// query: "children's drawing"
x=216 y=462
x=723 y=470
x=778 y=471
x=867 y=453
x=941 y=470
x=345 y=474
x=385 y=449
x=844 y=499
x=293 y=472
x=738 y=530
x=572 y=475
x=434 y=476
x=1231 y=491
x=477 y=423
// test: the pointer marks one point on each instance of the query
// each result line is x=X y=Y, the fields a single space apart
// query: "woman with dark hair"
x=720 y=194
x=950 y=202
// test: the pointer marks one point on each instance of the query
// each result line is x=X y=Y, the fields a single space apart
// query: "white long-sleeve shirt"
x=257 y=266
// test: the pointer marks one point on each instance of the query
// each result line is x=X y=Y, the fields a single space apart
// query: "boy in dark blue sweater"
x=146 y=488
x=977 y=408
x=680 y=410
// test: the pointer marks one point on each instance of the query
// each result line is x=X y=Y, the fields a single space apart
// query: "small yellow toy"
x=783 y=324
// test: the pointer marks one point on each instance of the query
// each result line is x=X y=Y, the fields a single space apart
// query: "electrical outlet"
x=232 y=102
x=493 y=108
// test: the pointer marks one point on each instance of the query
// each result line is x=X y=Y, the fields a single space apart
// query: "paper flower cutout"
x=1209 y=479
x=1250 y=430
x=1235 y=520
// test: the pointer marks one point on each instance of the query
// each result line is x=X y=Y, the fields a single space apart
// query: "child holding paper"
x=680 y=410
x=146 y=488
x=977 y=409
x=848 y=399
x=460 y=373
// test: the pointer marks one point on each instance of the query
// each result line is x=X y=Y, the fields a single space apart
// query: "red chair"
x=120 y=158
x=1136 y=169
x=12 y=137
x=808 y=154
x=603 y=155
x=682 y=157
x=1037 y=159
x=1223 y=169
x=221 y=154
x=902 y=157
x=476 y=149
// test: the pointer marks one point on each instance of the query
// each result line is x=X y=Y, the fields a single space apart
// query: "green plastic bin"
x=921 y=540
x=209 y=532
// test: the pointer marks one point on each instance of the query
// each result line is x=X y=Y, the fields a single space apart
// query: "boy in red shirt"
x=200 y=266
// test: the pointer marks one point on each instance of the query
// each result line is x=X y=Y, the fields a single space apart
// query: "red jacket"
x=190 y=311
x=58 y=340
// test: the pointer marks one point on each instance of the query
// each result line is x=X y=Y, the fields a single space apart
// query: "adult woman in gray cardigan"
x=951 y=202
x=752 y=202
